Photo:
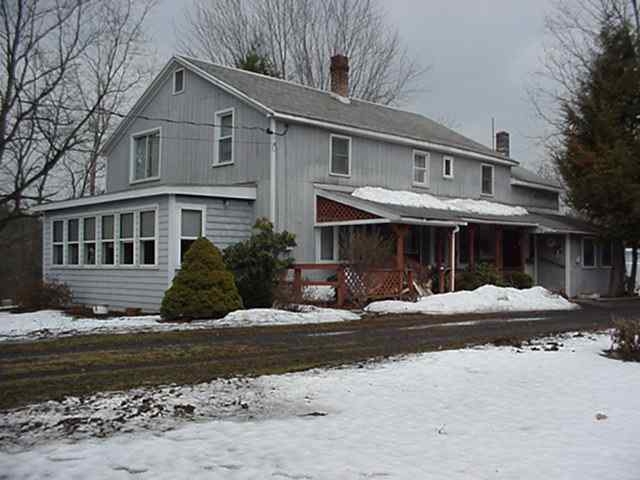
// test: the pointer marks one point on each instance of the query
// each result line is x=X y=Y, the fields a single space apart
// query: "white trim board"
x=221 y=191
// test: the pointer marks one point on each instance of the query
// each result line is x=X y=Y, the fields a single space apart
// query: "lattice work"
x=332 y=211
x=373 y=284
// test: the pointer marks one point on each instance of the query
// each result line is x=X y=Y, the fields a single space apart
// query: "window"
x=58 y=242
x=178 y=81
x=340 y=152
x=224 y=141
x=588 y=252
x=73 y=245
x=89 y=241
x=605 y=254
x=146 y=154
x=190 y=229
x=487 y=179
x=107 y=237
x=126 y=239
x=147 y=238
x=447 y=167
x=421 y=168
x=327 y=243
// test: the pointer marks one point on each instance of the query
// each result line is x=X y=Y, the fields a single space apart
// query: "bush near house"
x=626 y=340
x=203 y=288
x=483 y=274
x=258 y=263
x=43 y=294
x=517 y=280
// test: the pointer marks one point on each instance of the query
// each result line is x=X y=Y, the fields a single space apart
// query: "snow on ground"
x=53 y=323
x=487 y=298
x=319 y=293
x=483 y=413
x=424 y=200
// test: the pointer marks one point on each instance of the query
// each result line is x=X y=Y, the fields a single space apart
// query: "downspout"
x=452 y=286
x=272 y=172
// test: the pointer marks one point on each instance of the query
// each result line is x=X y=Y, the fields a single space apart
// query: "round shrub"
x=518 y=280
x=203 y=288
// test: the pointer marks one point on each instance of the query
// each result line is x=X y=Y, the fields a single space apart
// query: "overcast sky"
x=480 y=55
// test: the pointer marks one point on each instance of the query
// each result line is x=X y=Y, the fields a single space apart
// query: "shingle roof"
x=294 y=99
x=545 y=222
x=521 y=173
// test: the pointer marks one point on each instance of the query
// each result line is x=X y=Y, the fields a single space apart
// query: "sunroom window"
x=148 y=238
x=126 y=239
x=58 y=242
x=73 y=244
x=190 y=230
x=106 y=245
x=89 y=241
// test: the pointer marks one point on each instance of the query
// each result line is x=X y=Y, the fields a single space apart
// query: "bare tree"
x=66 y=65
x=299 y=36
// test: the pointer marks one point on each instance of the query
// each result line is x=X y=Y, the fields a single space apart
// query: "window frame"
x=595 y=252
x=61 y=243
x=203 y=226
x=493 y=179
x=75 y=243
x=218 y=136
x=349 y=150
x=84 y=242
x=111 y=240
x=132 y=155
x=445 y=159
x=120 y=240
x=175 y=72
x=140 y=238
x=427 y=168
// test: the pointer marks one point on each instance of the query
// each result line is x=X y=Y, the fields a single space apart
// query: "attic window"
x=178 y=81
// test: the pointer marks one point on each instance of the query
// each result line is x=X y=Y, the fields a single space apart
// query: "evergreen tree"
x=255 y=62
x=600 y=156
x=203 y=288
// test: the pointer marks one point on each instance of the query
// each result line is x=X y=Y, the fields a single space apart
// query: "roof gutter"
x=537 y=186
x=395 y=139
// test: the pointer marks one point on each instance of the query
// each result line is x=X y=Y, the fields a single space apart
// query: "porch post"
x=524 y=248
x=452 y=251
x=472 y=246
x=499 y=259
x=401 y=232
x=440 y=260
x=567 y=266
x=535 y=258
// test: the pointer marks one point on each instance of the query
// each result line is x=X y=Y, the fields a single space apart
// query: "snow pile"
x=424 y=200
x=487 y=298
x=270 y=316
x=53 y=323
x=478 y=413
x=319 y=293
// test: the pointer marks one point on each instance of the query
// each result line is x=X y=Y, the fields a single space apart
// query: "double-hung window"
x=178 y=81
x=340 y=153
x=58 y=242
x=107 y=240
x=421 y=168
x=487 y=179
x=147 y=238
x=89 y=241
x=190 y=229
x=588 y=252
x=73 y=241
x=146 y=155
x=125 y=238
x=224 y=140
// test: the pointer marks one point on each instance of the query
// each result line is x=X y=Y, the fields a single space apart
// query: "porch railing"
x=351 y=286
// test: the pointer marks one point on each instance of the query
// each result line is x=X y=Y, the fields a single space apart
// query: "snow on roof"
x=425 y=200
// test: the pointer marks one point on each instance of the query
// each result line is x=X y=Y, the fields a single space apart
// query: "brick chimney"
x=340 y=75
x=502 y=143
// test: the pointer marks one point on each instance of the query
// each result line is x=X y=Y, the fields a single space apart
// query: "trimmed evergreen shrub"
x=44 y=294
x=203 y=288
x=626 y=339
x=484 y=274
x=518 y=280
x=258 y=262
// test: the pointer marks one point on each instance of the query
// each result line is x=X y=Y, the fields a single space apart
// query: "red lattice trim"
x=332 y=211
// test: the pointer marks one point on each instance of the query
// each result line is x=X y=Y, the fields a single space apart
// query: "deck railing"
x=352 y=286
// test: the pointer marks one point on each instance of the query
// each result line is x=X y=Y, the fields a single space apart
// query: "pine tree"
x=600 y=158
x=255 y=62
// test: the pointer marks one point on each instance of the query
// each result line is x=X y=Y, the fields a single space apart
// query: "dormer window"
x=178 y=81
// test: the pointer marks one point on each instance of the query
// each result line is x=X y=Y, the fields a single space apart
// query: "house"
x=207 y=149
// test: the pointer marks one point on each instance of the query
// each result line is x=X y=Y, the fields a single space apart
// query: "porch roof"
x=542 y=222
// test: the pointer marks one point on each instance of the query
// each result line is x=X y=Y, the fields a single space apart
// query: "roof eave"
x=536 y=186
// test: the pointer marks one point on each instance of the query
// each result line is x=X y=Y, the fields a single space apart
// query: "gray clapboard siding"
x=587 y=280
